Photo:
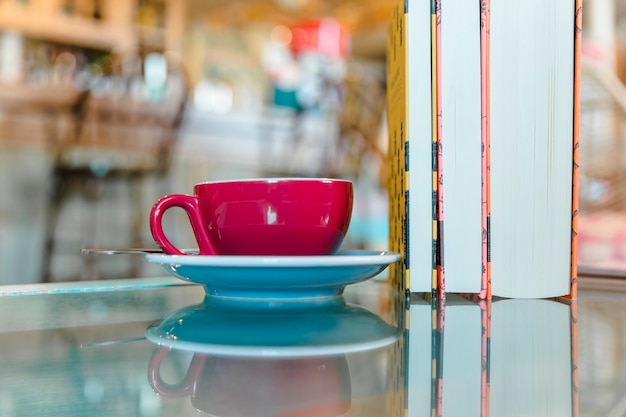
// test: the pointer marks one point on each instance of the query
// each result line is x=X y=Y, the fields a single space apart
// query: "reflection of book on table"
x=531 y=361
x=483 y=146
x=421 y=378
x=505 y=357
x=445 y=356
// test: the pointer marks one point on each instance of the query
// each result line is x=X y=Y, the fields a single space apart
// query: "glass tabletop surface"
x=161 y=347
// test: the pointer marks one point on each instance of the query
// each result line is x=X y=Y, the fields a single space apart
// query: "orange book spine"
x=436 y=249
x=576 y=154
x=485 y=287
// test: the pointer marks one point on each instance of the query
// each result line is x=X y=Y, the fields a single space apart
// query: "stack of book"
x=483 y=113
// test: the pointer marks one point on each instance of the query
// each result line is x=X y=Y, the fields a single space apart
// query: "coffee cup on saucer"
x=242 y=386
x=264 y=216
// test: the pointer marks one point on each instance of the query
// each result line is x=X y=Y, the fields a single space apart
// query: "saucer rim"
x=269 y=351
x=341 y=258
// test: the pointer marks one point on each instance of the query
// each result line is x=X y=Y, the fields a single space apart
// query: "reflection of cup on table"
x=277 y=216
x=241 y=386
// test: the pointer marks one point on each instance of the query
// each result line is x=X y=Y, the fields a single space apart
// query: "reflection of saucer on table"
x=276 y=329
x=266 y=357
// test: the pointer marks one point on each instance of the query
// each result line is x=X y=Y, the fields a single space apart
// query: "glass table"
x=158 y=347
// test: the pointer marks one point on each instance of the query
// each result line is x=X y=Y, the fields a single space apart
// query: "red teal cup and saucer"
x=276 y=238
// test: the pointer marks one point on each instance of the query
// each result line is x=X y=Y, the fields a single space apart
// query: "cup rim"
x=276 y=180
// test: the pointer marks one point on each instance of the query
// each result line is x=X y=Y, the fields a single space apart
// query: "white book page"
x=420 y=145
x=531 y=118
x=461 y=145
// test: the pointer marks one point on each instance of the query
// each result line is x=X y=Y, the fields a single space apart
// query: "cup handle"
x=189 y=203
x=182 y=389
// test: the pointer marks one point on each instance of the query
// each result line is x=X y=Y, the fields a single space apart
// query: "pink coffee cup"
x=265 y=216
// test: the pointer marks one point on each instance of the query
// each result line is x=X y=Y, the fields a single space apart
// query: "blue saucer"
x=276 y=277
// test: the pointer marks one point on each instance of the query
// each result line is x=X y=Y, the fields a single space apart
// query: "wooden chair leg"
x=56 y=193
x=137 y=224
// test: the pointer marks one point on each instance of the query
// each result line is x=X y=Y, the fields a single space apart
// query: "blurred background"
x=106 y=105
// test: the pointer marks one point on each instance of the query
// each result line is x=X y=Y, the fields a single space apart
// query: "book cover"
x=412 y=172
x=397 y=120
x=439 y=283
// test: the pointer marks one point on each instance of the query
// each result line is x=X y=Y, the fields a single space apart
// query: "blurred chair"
x=360 y=153
x=121 y=140
x=33 y=114
x=359 y=149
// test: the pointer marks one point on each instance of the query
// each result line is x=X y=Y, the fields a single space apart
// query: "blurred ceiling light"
x=11 y=52
x=212 y=97
x=65 y=59
x=155 y=70
x=173 y=57
x=323 y=36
